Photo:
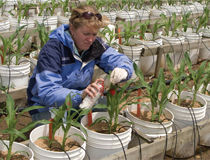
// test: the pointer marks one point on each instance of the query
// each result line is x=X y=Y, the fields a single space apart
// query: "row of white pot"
x=181 y=117
x=102 y=145
x=98 y=145
x=30 y=23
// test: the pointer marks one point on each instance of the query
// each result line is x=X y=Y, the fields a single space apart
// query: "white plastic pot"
x=4 y=24
x=33 y=61
x=127 y=15
x=51 y=21
x=152 y=130
x=182 y=119
x=111 y=15
x=175 y=57
x=157 y=12
x=148 y=63
x=18 y=147
x=205 y=140
x=14 y=23
x=42 y=154
x=172 y=9
x=15 y=75
x=103 y=145
x=132 y=52
x=193 y=53
x=183 y=113
x=142 y=14
x=63 y=20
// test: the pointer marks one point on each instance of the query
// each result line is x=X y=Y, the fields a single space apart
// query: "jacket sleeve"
x=111 y=59
x=49 y=80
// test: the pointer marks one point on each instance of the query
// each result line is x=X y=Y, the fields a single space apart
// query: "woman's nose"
x=90 y=38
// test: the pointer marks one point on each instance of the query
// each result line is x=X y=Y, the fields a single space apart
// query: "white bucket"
x=10 y=4
x=204 y=53
x=127 y=15
x=63 y=20
x=187 y=8
x=183 y=119
x=157 y=12
x=194 y=53
x=18 y=147
x=142 y=14
x=205 y=140
x=175 y=57
x=152 y=130
x=148 y=64
x=111 y=15
x=33 y=61
x=172 y=9
x=4 y=24
x=51 y=22
x=133 y=53
x=103 y=145
x=14 y=23
x=15 y=75
x=198 y=7
x=183 y=113
x=42 y=154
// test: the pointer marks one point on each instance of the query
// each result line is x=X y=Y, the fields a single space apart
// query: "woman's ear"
x=71 y=27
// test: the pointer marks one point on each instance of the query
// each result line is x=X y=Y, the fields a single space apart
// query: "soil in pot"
x=146 y=116
x=18 y=156
x=102 y=127
x=185 y=103
x=69 y=145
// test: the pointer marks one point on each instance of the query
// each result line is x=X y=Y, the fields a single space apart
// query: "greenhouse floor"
x=205 y=154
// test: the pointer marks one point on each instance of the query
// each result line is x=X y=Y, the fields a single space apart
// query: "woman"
x=66 y=63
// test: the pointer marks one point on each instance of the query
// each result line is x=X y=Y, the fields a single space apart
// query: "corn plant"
x=158 y=4
x=22 y=10
x=128 y=31
x=43 y=33
x=12 y=121
x=171 y=2
x=152 y=2
x=143 y=29
x=198 y=76
x=180 y=73
x=114 y=99
x=138 y=4
x=6 y=52
x=2 y=3
x=99 y=4
x=54 y=5
x=65 y=6
x=167 y=23
x=71 y=120
x=154 y=90
x=109 y=4
x=204 y=89
x=43 y=7
x=184 y=22
x=122 y=4
x=202 y=20
x=111 y=35
x=20 y=42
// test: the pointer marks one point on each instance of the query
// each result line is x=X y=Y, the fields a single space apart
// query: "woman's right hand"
x=91 y=89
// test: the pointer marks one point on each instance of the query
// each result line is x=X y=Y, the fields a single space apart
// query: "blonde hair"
x=77 y=21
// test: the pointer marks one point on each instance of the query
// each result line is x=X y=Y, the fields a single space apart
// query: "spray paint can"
x=88 y=102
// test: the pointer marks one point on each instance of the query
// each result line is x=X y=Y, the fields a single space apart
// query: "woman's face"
x=83 y=37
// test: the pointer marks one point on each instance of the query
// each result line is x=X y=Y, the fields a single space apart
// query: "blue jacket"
x=59 y=71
